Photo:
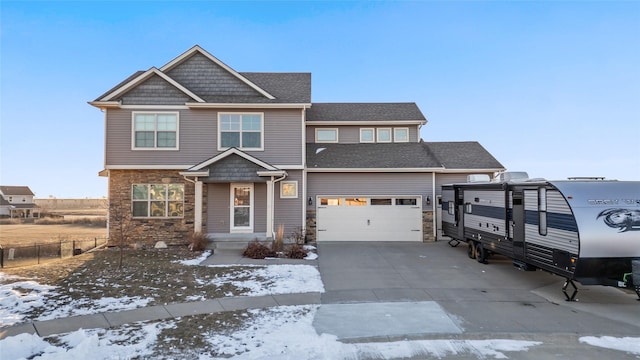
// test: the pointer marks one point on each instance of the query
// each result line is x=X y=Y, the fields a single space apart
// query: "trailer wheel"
x=471 y=250
x=481 y=254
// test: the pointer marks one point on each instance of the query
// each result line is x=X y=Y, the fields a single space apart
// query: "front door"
x=241 y=208
x=517 y=224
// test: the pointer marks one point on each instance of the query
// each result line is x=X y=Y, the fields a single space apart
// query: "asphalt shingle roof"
x=463 y=155
x=445 y=155
x=16 y=190
x=363 y=156
x=364 y=112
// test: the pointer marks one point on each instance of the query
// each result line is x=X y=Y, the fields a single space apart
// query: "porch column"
x=270 y=208
x=197 y=221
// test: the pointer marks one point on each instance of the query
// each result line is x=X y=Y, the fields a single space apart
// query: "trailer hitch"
x=571 y=297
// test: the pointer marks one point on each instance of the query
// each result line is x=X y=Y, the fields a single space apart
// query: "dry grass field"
x=28 y=234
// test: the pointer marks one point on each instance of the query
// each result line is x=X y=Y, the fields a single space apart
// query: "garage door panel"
x=369 y=223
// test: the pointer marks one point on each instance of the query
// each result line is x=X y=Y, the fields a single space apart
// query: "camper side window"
x=451 y=207
x=542 y=211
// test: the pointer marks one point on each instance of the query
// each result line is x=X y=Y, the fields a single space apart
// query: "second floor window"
x=155 y=130
x=242 y=131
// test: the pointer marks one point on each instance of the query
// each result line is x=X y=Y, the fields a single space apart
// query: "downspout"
x=197 y=216
x=433 y=207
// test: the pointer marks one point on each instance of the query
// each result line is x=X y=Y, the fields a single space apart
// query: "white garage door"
x=369 y=218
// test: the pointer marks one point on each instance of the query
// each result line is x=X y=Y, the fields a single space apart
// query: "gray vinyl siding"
x=351 y=134
x=155 y=91
x=260 y=207
x=218 y=216
x=198 y=138
x=288 y=212
x=368 y=184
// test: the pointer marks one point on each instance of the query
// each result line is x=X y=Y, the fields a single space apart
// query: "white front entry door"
x=241 y=208
x=341 y=218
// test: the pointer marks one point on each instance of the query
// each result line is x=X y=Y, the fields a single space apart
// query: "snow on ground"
x=85 y=344
x=284 y=332
x=627 y=344
x=197 y=260
x=274 y=279
x=18 y=298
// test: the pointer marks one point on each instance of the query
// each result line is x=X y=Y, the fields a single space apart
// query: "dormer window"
x=384 y=135
x=326 y=135
x=401 y=134
x=367 y=135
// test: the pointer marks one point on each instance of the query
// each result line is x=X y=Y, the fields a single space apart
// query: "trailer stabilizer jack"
x=574 y=292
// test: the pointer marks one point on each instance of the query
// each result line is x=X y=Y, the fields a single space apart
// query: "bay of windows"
x=158 y=200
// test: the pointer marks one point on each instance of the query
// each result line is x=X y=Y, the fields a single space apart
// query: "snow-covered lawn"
x=23 y=299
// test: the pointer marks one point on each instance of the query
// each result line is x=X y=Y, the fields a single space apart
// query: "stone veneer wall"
x=173 y=231
x=427 y=226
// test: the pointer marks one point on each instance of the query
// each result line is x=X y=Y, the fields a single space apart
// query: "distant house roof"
x=365 y=112
x=16 y=191
x=437 y=156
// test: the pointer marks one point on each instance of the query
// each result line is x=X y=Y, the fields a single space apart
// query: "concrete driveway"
x=395 y=290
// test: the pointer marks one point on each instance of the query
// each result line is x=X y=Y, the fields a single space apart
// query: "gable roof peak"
x=196 y=49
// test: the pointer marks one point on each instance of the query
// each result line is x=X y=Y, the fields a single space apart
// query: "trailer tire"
x=471 y=249
x=481 y=254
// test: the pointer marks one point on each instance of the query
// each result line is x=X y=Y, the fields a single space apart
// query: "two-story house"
x=17 y=202
x=196 y=146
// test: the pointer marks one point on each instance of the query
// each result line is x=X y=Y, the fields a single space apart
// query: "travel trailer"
x=583 y=229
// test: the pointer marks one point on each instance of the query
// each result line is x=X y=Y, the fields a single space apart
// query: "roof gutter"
x=193 y=105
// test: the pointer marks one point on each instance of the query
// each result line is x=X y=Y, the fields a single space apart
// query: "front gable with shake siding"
x=195 y=146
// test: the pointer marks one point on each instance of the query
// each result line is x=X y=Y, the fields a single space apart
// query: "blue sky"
x=552 y=88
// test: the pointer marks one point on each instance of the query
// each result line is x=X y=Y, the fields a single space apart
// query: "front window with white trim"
x=240 y=130
x=367 y=135
x=288 y=189
x=384 y=135
x=155 y=130
x=326 y=135
x=158 y=200
x=401 y=134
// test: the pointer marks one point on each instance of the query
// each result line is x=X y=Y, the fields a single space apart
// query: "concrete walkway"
x=159 y=312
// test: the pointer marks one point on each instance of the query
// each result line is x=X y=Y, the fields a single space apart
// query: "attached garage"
x=367 y=218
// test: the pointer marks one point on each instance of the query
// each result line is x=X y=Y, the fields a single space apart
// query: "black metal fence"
x=40 y=253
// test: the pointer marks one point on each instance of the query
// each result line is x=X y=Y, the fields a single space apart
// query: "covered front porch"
x=234 y=198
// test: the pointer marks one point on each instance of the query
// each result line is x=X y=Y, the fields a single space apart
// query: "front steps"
x=234 y=242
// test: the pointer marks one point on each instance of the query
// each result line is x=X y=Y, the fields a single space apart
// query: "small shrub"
x=198 y=241
x=298 y=235
x=258 y=250
x=296 y=251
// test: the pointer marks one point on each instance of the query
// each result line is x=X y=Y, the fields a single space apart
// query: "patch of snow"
x=626 y=344
x=195 y=261
x=19 y=298
x=274 y=279
x=85 y=344
x=287 y=332
x=311 y=256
